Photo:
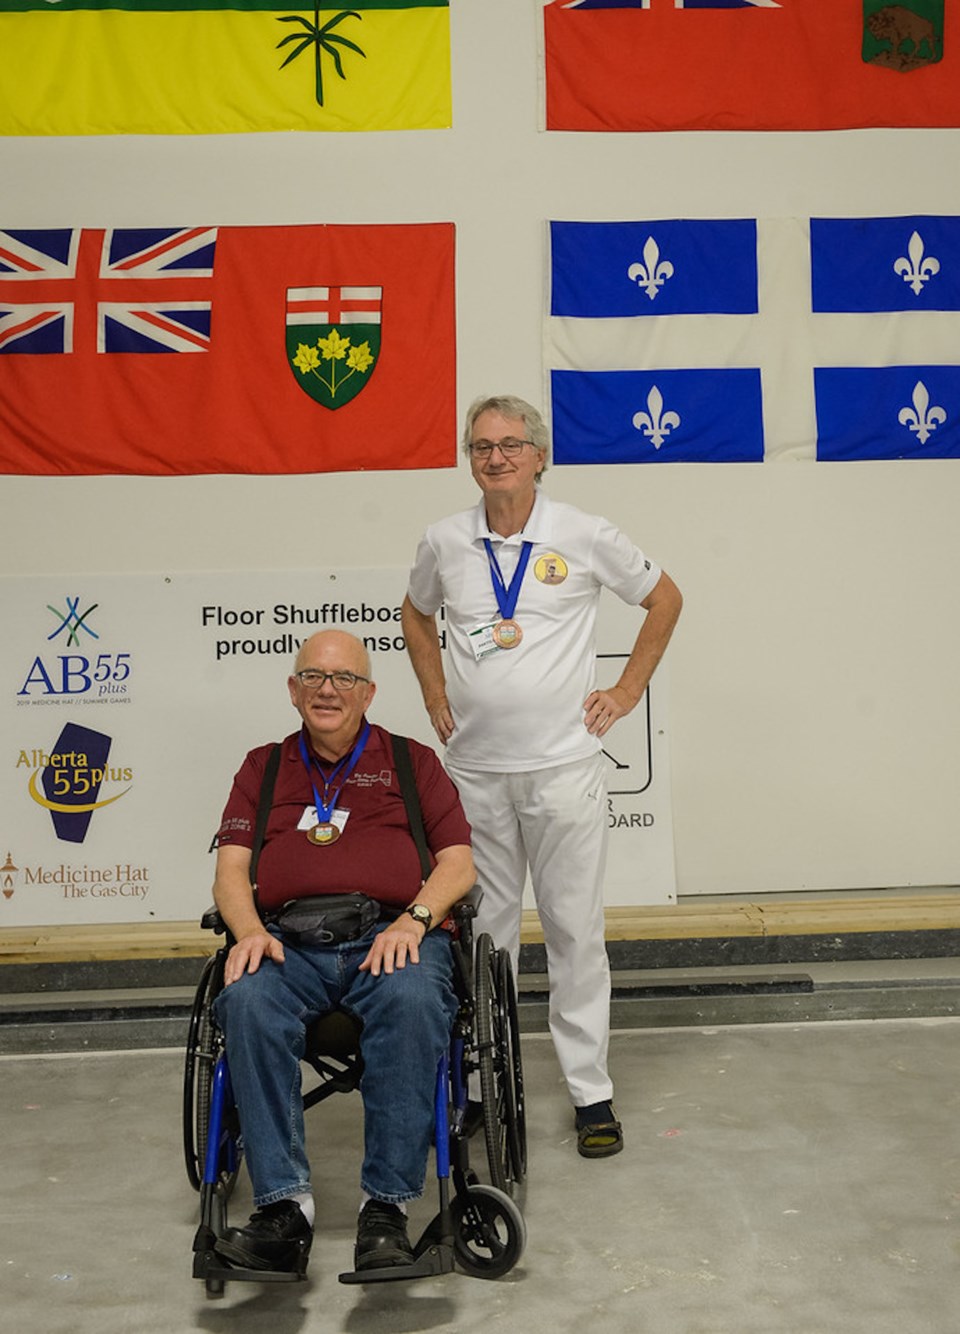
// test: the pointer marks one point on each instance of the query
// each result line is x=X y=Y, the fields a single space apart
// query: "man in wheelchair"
x=340 y=916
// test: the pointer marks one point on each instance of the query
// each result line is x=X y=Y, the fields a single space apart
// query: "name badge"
x=482 y=641
x=309 y=819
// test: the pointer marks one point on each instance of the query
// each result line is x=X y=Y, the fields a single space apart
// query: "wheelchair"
x=480 y=1229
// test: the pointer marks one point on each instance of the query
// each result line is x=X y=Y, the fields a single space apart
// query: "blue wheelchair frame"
x=478 y=1229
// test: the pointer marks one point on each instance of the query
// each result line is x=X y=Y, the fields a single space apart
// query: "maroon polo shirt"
x=375 y=854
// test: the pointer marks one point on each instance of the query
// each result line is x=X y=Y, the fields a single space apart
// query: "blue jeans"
x=407 y=1017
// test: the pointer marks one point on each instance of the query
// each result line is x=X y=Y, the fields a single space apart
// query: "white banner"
x=131 y=701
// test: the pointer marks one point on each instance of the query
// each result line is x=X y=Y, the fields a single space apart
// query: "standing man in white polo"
x=519 y=577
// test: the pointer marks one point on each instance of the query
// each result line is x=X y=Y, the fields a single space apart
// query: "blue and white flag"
x=620 y=293
x=733 y=341
x=896 y=281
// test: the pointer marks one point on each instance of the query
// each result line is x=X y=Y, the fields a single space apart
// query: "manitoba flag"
x=732 y=341
x=183 y=350
x=749 y=64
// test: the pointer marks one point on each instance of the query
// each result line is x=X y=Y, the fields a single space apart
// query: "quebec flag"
x=743 y=341
x=899 y=280
x=618 y=291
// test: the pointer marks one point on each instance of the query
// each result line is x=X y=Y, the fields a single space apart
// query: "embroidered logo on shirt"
x=370 y=780
x=551 y=569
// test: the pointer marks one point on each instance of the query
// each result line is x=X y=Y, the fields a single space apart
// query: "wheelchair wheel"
x=513 y=1068
x=489 y=1233
x=498 y=1057
x=204 y=1045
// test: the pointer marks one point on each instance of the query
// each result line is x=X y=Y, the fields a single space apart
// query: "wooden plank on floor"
x=818 y=916
x=81 y=944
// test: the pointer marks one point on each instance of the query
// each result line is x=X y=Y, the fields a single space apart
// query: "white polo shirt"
x=522 y=708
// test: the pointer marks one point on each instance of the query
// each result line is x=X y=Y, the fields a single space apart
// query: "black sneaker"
x=382 y=1240
x=278 y=1237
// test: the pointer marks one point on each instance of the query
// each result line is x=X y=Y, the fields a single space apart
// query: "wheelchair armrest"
x=212 y=921
x=465 y=909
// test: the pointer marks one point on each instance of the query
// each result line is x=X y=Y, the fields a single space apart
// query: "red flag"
x=185 y=350
x=799 y=66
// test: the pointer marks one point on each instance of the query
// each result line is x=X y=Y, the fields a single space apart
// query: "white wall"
x=814 y=711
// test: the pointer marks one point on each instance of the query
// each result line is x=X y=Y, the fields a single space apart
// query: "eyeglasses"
x=509 y=447
x=314 y=680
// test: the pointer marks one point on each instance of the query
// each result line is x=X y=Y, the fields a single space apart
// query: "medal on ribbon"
x=507 y=632
x=325 y=832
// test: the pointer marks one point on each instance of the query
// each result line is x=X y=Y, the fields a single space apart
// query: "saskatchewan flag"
x=196 y=67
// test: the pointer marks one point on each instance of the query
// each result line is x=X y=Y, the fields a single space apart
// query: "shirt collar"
x=537 y=528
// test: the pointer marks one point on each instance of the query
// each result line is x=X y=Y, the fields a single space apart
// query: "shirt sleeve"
x=425 y=588
x=621 y=566
x=239 y=815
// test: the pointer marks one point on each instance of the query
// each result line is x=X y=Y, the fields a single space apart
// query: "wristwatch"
x=420 y=913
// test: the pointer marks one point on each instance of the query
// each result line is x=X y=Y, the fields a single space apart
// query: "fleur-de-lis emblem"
x=656 y=424
x=653 y=272
x=922 y=419
x=918 y=269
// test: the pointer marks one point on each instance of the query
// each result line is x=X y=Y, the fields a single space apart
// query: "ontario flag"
x=749 y=64
x=745 y=340
x=227 y=349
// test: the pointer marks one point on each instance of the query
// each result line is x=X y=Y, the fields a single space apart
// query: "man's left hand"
x=395 y=947
x=602 y=708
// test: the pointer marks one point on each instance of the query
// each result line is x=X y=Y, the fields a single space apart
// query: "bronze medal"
x=507 y=634
x=323 y=834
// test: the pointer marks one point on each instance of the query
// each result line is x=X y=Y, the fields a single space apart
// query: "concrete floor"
x=802 y=1179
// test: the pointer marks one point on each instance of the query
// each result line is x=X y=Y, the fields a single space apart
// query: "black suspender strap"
x=411 y=799
x=267 y=785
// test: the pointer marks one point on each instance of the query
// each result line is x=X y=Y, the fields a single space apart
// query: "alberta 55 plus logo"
x=74 y=779
x=72 y=772
x=75 y=665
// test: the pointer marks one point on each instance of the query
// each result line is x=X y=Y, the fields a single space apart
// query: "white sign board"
x=131 y=700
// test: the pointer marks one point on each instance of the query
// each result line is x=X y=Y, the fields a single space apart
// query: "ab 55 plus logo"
x=87 y=675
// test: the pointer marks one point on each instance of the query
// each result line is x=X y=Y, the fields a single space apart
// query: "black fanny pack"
x=327 y=919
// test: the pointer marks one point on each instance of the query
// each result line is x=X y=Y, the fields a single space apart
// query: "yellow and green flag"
x=195 y=67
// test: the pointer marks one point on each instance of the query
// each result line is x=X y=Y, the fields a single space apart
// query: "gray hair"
x=508 y=405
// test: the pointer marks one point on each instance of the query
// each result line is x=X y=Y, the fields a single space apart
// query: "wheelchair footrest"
x=209 y=1266
x=434 y=1260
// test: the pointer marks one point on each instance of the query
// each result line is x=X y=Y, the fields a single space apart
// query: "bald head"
x=328 y=645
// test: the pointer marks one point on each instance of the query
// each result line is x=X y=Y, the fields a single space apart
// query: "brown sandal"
x=599 y=1139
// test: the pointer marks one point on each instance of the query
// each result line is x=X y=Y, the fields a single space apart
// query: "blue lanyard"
x=507 y=596
x=344 y=767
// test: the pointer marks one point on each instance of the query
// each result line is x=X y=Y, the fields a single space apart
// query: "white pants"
x=555 y=821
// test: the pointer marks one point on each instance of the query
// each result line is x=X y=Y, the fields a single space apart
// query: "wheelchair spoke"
x=491 y=1087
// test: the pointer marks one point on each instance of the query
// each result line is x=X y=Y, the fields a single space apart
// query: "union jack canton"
x=135 y=289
